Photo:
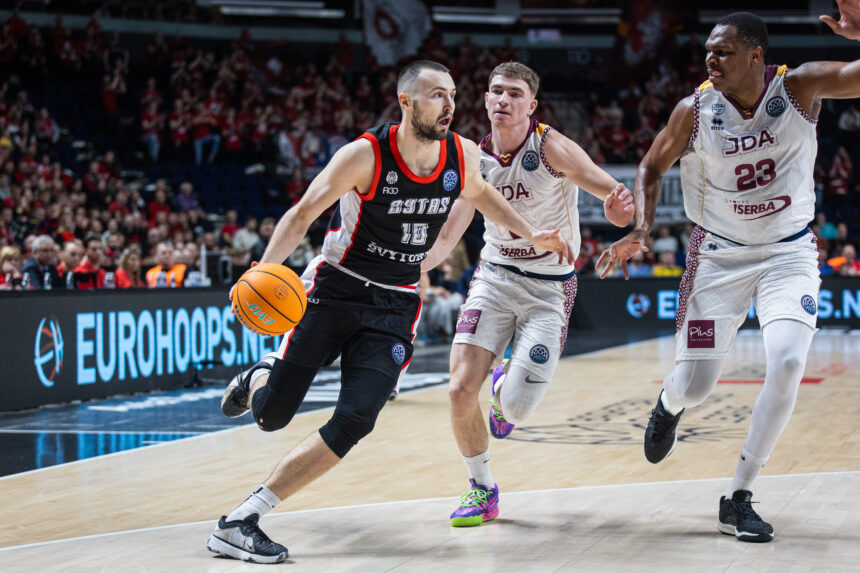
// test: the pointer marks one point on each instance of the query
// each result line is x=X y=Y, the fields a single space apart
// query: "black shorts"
x=364 y=323
x=370 y=327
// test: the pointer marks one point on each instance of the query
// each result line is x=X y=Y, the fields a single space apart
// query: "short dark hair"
x=750 y=28
x=517 y=71
x=410 y=73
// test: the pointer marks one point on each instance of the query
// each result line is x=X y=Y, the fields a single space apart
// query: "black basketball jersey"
x=383 y=236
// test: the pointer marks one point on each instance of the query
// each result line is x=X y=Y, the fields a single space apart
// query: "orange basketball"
x=269 y=299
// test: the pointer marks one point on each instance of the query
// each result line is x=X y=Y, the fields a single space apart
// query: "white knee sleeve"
x=786 y=344
x=520 y=394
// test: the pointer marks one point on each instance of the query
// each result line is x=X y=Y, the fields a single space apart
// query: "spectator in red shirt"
x=70 y=257
x=150 y=94
x=616 y=139
x=89 y=274
x=158 y=205
x=203 y=123
x=230 y=226
x=179 y=124
x=128 y=274
x=151 y=124
x=17 y=25
x=112 y=86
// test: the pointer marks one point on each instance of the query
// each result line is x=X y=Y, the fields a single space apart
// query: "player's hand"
x=618 y=206
x=621 y=250
x=848 y=25
x=232 y=288
x=554 y=241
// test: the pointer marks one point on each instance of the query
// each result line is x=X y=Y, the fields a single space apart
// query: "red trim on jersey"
x=377 y=168
x=310 y=290
x=443 y=157
x=332 y=231
x=460 y=161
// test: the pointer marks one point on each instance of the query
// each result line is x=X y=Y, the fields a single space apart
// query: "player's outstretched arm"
x=493 y=206
x=352 y=167
x=567 y=157
x=814 y=81
x=458 y=221
x=667 y=148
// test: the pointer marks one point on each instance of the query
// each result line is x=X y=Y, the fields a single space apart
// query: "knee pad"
x=276 y=402
x=520 y=394
x=344 y=430
x=692 y=381
x=268 y=413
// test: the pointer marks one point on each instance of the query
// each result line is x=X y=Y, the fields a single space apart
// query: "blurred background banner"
x=394 y=29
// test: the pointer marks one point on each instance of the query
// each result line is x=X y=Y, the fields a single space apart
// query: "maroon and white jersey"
x=747 y=176
x=383 y=236
x=542 y=196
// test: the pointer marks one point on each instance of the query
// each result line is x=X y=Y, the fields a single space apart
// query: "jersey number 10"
x=414 y=233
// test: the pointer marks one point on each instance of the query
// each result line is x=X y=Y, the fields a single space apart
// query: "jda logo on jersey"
x=539 y=354
x=775 y=106
x=398 y=353
x=530 y=161
x=391 y=178
x=718 y=108
x=808 y=304
x=450 y=179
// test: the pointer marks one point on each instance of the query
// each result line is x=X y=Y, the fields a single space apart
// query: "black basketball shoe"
x=738 y=518
x=234 y=402
x=245 y=540
x=661 y=433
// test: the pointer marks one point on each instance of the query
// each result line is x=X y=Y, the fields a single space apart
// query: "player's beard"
x=427 y=131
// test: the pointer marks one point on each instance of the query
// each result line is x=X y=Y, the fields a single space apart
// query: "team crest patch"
x=398 y=353
x=530 y=160
x=808 y=304
x=391 y=178
x=539 y=354
x=718 y=108
x=450 y=179
x=775 y=106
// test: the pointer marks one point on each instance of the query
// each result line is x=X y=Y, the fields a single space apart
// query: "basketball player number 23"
x=414 y=233
x=751 y=176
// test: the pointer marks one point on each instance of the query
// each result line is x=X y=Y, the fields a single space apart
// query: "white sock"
x=479 y=468
x=259 y=502
x=748 y=469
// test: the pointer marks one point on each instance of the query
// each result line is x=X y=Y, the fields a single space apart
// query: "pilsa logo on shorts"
x=700 y=334
x=468 y=321
x=530 y=160
x=398 y=353
x=808 y=304
x=775 y=106
x=539 y=354
x=450 y=179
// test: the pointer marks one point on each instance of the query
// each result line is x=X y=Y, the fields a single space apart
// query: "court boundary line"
x=424 y=500
x=233 y=429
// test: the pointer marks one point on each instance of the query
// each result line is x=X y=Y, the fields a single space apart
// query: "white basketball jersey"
x=542 y=196
x=747 y=176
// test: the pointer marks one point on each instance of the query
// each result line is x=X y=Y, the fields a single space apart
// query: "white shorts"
x=502 y=304
x=781 y=279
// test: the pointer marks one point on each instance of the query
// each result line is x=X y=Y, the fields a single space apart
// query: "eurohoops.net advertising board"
x=58 y=347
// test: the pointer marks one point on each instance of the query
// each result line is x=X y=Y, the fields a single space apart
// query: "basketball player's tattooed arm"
x=493 y=206
x=351 y=168
x=458 y=221
x=813 y=81
x=667 y=148
x=568 y=158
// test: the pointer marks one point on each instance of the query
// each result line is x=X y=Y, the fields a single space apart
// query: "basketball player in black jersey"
x=395 y=185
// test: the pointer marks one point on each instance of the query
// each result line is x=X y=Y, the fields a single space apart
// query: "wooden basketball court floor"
x=577 y=493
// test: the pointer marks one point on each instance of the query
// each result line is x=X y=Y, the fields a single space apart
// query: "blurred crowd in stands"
x=119 y=168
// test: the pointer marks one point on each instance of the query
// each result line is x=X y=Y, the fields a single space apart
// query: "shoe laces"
x=475 y=497
x=497 y=412
x=745 y=510
x=660 y=421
